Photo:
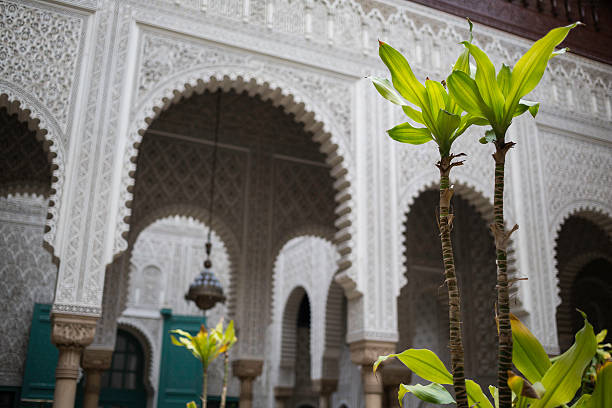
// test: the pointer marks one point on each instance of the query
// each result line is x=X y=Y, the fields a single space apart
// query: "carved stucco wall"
x=576 y=92
x=27 y=276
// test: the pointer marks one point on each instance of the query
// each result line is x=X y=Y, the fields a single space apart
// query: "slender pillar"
x=95 y=361
x=325 y=387
x=365 y=353
x=247 y=371
x=70 y=334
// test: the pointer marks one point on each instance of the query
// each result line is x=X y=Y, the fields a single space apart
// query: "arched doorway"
x=27 y=271
x=122 y=385
x=584 y=265
x=423 y=302
x=272 y=181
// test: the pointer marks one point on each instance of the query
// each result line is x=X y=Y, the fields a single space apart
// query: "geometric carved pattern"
x=27 y=275
x=23 y=164
x=423 y=303
x=39 y=51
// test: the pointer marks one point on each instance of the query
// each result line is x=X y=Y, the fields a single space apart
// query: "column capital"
x=283 y=392
x=366 y=352
x=247 y=369
x=325 y=386
x=97 y=359
x=72 y=330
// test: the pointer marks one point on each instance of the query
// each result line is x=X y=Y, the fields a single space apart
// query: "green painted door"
x=180 y=376
x=39 y=374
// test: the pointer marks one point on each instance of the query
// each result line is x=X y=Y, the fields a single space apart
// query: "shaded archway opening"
x=423 y=301
x=272 y=180
x=584 y=264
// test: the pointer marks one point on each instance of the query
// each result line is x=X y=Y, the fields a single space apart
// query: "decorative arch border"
x=289 y=331
x=470 y=191
x=200 y=214
x=333 y=336
x=594 y=211
x=148 y=344
x=316 y=120
x=39 y=120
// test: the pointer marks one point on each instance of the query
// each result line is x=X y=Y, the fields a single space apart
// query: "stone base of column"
x=94 y=362
x=70 y=334
x=282 y=396
x=246 y=371
x=325 y=387
x=365 y=353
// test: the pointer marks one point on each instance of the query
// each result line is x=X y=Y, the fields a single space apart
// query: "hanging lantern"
x=206 y=290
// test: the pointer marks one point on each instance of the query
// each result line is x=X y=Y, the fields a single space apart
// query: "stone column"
x=247 y=371
x=325 y=387
x=70 y=334
x=394 y=373
x=282 y=395
x=94 y=362
x=365 y=353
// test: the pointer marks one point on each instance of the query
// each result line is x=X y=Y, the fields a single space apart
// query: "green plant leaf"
x=563 y=378
x=504 y=78
x=464 y=91
x=602 y=395
x=486 y=81
x=437 y=97
x=489 y=137
x=529 y=70
x=406 y=133
x=191 y=404
x=463 y=62
x=525 y=105
x=528 y=355
x=423 y=363
x=476 y=397
x=447 y=123
x=601 y=336
x=433 y=393
x=402 y=76
x=467 y=121
x=385 y=88
x=583 y=401
x=413 y=114
x=495 y=394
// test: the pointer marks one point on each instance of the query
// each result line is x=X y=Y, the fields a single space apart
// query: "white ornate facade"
x=312 y=194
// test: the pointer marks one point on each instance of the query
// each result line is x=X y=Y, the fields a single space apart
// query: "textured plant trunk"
x=225 y=372
x=503 y=299
x=204 y=387
x=454 y=300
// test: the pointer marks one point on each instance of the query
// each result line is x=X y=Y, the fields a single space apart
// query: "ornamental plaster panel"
x=27 y=276
x=41 y=49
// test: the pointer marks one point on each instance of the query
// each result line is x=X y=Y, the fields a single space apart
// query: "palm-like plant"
x=443 y=122
x=205 y=347
x=496 y=100
x=227 y=339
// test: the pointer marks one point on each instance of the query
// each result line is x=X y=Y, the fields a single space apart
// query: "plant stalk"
x=454 y=301
x=503 y=299
x=225 y=373
x=204 y=387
